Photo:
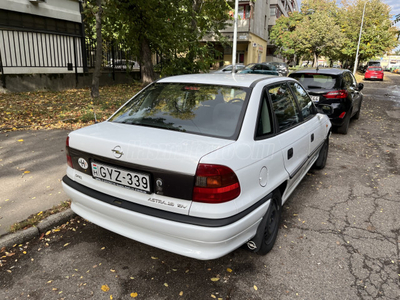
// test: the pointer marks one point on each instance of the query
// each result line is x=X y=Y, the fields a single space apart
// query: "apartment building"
x=255 y=20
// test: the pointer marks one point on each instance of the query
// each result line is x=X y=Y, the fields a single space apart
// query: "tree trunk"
x=146 y=65
x=315 y=60
x=99 y=46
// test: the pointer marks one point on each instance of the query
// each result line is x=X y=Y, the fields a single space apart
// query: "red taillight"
x=69 y=159
x=342 y=115
x=340 y=94
x=215 y=184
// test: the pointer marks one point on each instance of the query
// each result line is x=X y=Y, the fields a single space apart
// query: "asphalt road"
x=339 y=237
x=32 y=164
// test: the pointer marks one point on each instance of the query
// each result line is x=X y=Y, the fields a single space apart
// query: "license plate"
x=315 y=98
x=133 y=180
x=374 y=76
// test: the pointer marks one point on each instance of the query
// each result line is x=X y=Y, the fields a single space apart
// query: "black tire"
x=345 y=127
x=323 y=155
x=357 y=115
x=273 y=216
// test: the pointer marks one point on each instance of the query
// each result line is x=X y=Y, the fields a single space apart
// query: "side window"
x=303 y=99
x=284 y=105
x=353 y=79
x=264 y=120
x=347 y=80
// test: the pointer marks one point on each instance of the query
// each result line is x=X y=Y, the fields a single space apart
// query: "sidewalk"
x=32 y=164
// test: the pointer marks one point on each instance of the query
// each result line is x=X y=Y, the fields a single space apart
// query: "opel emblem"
x=83 y=163
x=117 y=151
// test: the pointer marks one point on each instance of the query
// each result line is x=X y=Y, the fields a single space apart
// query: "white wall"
x=58 y=9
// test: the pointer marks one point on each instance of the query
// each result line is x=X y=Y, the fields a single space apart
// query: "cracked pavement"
x=339 y=237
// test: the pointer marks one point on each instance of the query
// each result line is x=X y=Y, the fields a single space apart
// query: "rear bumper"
x=338 y=109
x=202 y=241
x=374 y=76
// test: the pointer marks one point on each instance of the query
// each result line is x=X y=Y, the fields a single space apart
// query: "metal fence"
x=30 y=52
x=22 y=50
x=113 y=56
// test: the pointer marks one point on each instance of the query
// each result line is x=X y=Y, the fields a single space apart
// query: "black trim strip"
x=306 y=160
x=159 y=213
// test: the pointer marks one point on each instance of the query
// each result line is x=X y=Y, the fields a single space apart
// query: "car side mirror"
x=360 y=86
x=325 y=109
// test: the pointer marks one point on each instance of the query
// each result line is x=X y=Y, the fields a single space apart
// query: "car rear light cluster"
x=215 y=184
x=69 y=159
x=340 y=94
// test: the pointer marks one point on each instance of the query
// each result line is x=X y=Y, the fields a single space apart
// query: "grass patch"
x=34 y=219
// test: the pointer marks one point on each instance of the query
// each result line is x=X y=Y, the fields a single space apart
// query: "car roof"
x=241 y=80
x=330 y=71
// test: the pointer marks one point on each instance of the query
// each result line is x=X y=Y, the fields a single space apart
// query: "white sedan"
x=198 y=164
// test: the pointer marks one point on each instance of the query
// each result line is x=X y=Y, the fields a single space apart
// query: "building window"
x=265 y=22
x=28 y=22
x=244 y=12
x=272 y=12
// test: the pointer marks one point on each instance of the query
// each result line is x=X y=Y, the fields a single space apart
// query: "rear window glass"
x=202 y=109
x=316 y=81
x=374 y=69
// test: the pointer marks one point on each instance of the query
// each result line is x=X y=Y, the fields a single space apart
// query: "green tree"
x=311 y=33
x=171 y=28
x=319 y=34
x=378 y=35
x=283 y=34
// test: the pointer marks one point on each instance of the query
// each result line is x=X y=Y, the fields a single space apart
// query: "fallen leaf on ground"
x=214 y=279
x=105 y=288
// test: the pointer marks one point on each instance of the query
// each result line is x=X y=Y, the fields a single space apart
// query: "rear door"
x=351 y=86
x=293 y=134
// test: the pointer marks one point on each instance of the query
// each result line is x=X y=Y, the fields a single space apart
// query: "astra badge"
x=117 y=151
x=83 y=163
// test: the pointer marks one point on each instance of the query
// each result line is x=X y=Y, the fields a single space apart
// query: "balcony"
x=243 y=26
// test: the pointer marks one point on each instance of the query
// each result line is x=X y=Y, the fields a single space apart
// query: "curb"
x=23 y=236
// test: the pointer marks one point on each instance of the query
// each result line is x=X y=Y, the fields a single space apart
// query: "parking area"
x=339 y=237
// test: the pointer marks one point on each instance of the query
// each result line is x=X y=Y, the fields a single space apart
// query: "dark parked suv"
x=337 y=88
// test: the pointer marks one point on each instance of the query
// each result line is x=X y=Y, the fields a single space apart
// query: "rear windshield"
x=374 y=63
x=211 y=110
x=374 y=69
x=316 y=81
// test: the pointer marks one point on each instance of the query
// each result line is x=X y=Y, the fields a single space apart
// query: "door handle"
x=290 y=153
x=312 y=137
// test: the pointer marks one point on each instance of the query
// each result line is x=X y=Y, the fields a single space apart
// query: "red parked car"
x=374 y=73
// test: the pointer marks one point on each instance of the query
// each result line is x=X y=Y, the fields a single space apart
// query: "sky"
x=394 y=4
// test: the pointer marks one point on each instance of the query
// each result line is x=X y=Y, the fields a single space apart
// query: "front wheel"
x=271 y=228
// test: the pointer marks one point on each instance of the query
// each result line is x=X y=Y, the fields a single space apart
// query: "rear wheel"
x=323 y=155
x=345 y=127
x=271 y=228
